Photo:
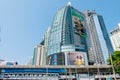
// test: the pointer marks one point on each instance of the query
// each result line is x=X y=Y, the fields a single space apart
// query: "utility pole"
x=113 y=69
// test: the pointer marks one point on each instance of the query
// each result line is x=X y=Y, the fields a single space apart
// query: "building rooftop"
x=115 y=30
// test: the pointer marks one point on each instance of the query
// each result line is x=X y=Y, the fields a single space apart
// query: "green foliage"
x=116 y=61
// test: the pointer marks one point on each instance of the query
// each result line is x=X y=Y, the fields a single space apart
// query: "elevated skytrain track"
x=24 y=72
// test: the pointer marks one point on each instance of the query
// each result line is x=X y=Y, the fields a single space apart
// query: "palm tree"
x=115 y=61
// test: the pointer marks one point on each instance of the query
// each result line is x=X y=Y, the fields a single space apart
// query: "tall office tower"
x=115 y=38
x=38 y=58
x=67 y=39
x=40 y=51
x=99 y=45
x=46 y=39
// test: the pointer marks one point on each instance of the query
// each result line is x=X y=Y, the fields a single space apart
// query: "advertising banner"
x=78 y=20
x=56 y=59
x=75 y=58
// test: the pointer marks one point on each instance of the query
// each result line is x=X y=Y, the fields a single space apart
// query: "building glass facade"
x=81 y=35
x=55 y=33
x=100 y=46
x=67 y=32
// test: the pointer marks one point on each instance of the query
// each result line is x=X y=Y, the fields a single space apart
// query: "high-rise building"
x=67 y=39
x=99 y=45
x=46 y=40
x=40 y=51
x=76 y=38
x=38 y=57
x=115 y=38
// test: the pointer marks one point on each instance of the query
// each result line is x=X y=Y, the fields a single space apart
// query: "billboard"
x=8 y=63
x=56 y=59
x=78 y=22
x=76 y=58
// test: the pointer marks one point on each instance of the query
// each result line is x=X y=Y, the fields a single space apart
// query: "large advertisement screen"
x=56 y=59
x=79 y=24
x=75 y=58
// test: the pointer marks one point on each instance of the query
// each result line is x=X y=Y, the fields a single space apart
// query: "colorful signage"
x=56 y=59
x=75 y=58
x=78 y=20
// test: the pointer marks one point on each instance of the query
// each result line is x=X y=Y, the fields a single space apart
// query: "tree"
x=115 y=61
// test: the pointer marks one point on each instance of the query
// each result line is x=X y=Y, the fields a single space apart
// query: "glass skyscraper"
x=99 y=47
x=67 y=36
x=76 y=38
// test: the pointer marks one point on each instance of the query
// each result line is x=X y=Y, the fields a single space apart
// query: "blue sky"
x=24 y=22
